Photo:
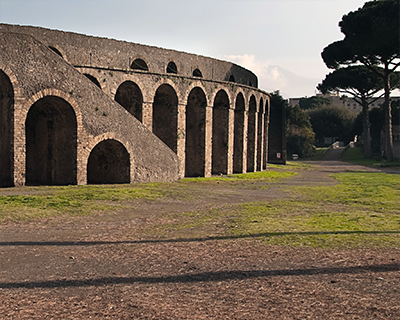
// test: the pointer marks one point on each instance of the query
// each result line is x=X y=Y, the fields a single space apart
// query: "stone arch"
x=172 y=68
x=220 y=131
x=195 y=133
x=55 y=50
x=238 y=145
x=139 y=64
x=197 y=73
x=109 y=163
x=6 y=130
x=251 y=134
x=93 y=79
x=51 y=142
x=130 y=97
x=265 y=140
x=165 y=116
x=260 y=132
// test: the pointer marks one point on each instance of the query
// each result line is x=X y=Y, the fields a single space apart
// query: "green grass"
x=362 y=211
x=355 y=155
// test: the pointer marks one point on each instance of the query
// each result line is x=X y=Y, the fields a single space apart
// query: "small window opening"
x=171 y=68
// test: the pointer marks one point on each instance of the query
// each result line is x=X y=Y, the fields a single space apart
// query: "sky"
x=279 y=40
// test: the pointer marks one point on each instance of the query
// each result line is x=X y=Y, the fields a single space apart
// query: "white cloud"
x=272 y=77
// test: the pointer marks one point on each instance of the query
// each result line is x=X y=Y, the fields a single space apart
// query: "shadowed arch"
x=260 y=125
x=172 y=68
x=251 y=135
x=220 y=126
x=51 y=142
x=165 y=116
x=55 y=50
x=93 y=79
x=195 y=133
x=197 y=73
x=139 y=64
x=108 y=163
x=265 y=139
x=238 y=134
x=6 y=129
x=130 y=97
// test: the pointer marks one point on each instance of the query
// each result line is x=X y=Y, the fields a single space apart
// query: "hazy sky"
x=280 y=40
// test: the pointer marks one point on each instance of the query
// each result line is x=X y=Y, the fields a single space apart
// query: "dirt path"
x=100 y=267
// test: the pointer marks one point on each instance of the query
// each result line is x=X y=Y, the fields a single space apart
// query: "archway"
x=197 y=73
x=238 y=134
x=6 y=129
x=165 y=116
x=172 y=68
x=260 y=124
x=265 y=140
x=51 y=142
x=251 y=135
x=108 y=163
x=130 y=97
x=139 y=64
x=93 y=79
x=220 y=133
x=195 y=133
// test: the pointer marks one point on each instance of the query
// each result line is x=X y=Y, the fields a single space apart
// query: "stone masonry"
x=77 y=109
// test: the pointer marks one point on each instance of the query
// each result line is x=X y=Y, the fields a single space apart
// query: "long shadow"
x=183 y=240
x=198 y=277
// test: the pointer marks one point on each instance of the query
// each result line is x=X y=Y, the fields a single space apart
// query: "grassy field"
x=362 y=210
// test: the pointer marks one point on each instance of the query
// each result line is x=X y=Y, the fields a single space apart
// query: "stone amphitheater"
x=79 y=109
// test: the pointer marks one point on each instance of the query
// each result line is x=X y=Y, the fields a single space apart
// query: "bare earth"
x=101 y=267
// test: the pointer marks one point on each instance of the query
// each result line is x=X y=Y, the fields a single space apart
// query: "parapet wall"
x=82 y=50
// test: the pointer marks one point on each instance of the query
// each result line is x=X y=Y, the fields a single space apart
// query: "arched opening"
x=139 y=64
x=260 y=124
x=93 y=79
x=6 y=130
x=195 y=133
x=265 y=140
x=238 y=135
x=165 y=116
x=251 y=135
x=220 y=133
x=197 y=73
x=130 y=97
x=56 y=51
x=51 y=143
x=172 y=68
x=231 y=78
x=108 y=163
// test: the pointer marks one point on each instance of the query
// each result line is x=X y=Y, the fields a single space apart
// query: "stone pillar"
x=147 y=115
x=231 y=134
x=181 y=138
x=208 y=144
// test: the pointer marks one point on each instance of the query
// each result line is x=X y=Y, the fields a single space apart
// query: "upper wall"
x=82 y=50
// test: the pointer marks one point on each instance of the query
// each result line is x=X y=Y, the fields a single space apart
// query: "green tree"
x=300 y=137
x=313 y=102
x=362 y=84
x=332 y=121
x=372 y=38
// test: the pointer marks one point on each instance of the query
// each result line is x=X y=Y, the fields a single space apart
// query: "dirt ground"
x=101 y=267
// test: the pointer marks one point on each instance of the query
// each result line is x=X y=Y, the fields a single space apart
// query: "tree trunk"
x=366 y=129
x=388 y=137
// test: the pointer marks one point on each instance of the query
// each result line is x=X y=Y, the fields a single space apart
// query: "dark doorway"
x=220 y=133
x=195 y=133
x=51 y=143
x=130 y=97
x=6 y=130
x=108 y=163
